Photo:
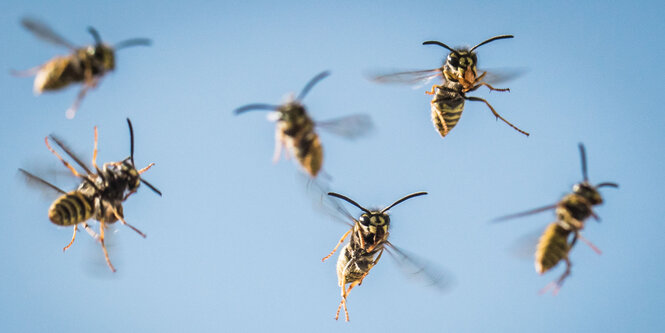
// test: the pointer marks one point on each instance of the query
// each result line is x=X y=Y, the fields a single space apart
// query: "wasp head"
x=589 y=192
x=460 y=66
x=290 y=112
x=374 y=221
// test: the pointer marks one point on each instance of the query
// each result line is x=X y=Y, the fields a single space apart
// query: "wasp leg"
x=91 y=232
x=69 y=166
x=591 y=245
x=478 y=99
x=341 y=240
x=146 y=168
x=556 y=285
x=491 y=88
x=122 y=220
x=373 y=264
x=101 y=240
x=432 y=91
x=345 y=293
x=72 y=241
x=279 y=143
x=94 y=152
x=71 y=112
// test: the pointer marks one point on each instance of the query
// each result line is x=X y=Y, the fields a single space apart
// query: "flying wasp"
x=572 y=211
x=369 y=238
x=295 y=129
x=86 y=65
x=460 y=76
x=100 y=194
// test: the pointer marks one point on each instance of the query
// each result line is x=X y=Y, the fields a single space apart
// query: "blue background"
x=235 y=242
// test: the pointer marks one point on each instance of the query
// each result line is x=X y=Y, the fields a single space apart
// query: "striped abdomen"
x=552 y=247
x=70 y=209
x=304 y=143
x=58 y=73
x=447 y=107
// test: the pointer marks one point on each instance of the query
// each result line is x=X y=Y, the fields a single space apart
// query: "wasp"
x=571 y=211
x=369 y=238
x=460 y=76
x=100 y=194
x=296 y=130
x=86 y=65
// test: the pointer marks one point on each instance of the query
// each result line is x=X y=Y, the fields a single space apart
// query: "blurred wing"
x=350 y=127
x=524 y=248
x=421 y=269
x=526 y=213
x=50 y=190
x=501 y=75
x=414 y=78
x=45 y=33
x=323 y=203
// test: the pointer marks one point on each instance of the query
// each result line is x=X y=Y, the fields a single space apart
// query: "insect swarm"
x=460 y=76
x=369 y=238
x=572 y=211
x=86 y=65
x=99 y=196
x=295 y=129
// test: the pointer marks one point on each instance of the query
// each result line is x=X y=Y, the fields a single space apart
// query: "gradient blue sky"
x=235 y=244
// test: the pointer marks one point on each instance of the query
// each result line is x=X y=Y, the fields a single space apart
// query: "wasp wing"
x=501 y=75
x=419 y=268
x=45 y=33
x=70 y=153
x=350 y=127
x=324 y=203
x=413 y=78
x=36 y=181
x=526 y=213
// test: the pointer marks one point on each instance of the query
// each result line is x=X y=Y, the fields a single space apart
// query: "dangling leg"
x=101 y=240
x=338 y=244
x=94 y=152
x=593 y=247
x=69 y=166
x=87 y=85
x=279 y=144
x=146 y=168
x=478 y=99
x=432 y=91
x=556 y=285
x=345 y=293
x=122 y=220
x=91 y=232
x=72 y=241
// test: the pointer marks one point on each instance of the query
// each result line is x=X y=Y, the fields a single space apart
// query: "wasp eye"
x=364 y=220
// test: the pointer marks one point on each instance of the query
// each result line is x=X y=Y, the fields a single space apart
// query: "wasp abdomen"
x=552 y=247
x=352 y=266
x=70 y=209
x=57 y=74
x=309 y=152
x=447 y=107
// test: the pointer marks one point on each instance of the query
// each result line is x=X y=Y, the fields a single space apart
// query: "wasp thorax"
x=588 y=192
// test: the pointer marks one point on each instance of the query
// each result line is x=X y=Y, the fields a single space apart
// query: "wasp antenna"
x=615 y=185
x=311 y=84
x=404 y=199
x=131 y=141
x=95 y=36
x=133 y=42
x=347 y=199
x=433 y=42
x=154 y=189
x=491 y=40
x=583 y=157
x=250 y=107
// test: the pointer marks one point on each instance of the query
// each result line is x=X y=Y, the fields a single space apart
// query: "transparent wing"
x=414 y=78
x=501 y=75
x=421 y=269
x=45 y=33
x=70 y=153
x=525 y=213
x=46 y=187
x=318 y=191
x=350 y=127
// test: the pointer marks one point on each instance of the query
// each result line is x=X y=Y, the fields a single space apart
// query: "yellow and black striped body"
x=447 y=106
x=552 y=247
x=296 y=130
x=84 y=64
x=360 y=254
x=71 y=209
x=572 y=212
